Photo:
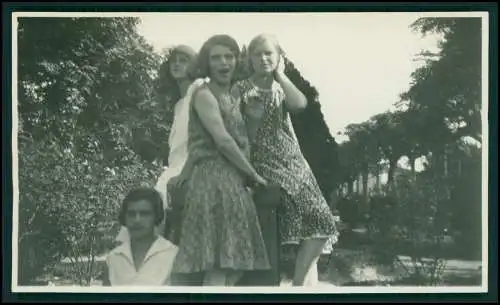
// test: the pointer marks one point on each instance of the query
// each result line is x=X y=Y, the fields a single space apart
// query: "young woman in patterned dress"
x=220 y=234
x=268 y=98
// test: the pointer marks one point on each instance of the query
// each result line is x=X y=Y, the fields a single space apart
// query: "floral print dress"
x=220 y=226
x=276 y=155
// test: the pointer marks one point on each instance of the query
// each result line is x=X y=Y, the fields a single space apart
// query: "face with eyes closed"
x=222 y=63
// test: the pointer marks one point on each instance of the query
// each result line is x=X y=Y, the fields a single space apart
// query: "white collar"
x=159 y=245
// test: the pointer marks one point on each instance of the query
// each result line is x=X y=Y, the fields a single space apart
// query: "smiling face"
x=140 y=219
x=179 y=65
x=222 y=63
x=264 y=57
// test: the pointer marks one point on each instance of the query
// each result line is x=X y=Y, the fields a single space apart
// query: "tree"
x=366 y=152
x=390 y=137
x=451 y=84
x=415 y=128
x=446 y=91
x=92 y=76
x=349 y=164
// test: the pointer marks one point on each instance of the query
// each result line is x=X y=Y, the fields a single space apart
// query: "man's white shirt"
x=155 y=270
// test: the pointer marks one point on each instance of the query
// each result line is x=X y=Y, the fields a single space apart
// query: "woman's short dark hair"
x=144 y=193
x=203 y=66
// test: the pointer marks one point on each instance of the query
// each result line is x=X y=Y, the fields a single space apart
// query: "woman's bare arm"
x=208 y=111
x=295 y=100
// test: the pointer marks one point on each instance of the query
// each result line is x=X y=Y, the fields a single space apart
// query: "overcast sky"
x=358 y=62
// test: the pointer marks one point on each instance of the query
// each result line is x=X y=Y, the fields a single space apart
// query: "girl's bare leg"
x=233 y=277
x=312 y=275
x=308 y=254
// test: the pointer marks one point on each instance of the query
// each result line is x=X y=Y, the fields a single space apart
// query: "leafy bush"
x=349 y=209
x=412 y=220
x=467 y=218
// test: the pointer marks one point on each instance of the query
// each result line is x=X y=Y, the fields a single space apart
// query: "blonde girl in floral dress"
x=268 y=98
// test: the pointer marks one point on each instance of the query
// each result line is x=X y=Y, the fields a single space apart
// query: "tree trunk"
x=392 y=170
x=365 y=190
x=412 y=161
x=350 y=187
x=445 y=161
x=438 y=161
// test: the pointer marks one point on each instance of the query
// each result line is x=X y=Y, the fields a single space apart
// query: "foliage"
x=94 y=75
x=40 y=238
x=466 y=203
x=349 y=210
x=417 y=226
x=451 y=85
x=441 y=106
x=440 y=109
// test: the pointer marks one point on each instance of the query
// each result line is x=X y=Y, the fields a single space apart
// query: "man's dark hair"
x=144 y=193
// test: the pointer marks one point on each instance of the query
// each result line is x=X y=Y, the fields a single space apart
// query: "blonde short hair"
x=258 y=40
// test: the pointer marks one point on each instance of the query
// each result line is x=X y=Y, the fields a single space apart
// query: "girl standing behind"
x=180 y=87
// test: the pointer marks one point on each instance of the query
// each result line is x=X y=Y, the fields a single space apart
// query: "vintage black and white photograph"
x=247 y=152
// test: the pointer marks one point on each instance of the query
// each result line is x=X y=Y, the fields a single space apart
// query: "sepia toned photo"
x=250 y=152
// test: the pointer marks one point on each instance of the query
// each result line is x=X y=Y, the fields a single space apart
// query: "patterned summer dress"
x=276 y=155
x=220 y=227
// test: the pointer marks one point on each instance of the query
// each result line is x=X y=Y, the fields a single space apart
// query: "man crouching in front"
x=146 y=259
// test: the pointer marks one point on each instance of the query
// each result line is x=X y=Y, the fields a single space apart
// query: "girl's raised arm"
x=295 y=100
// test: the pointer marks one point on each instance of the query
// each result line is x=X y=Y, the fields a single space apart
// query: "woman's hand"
x=294 y=99
x=197 y=83
x=280 y=68
x=175 y=182
x=260 y=181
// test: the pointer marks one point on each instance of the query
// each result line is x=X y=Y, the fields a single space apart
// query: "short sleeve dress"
x=220 y=226
x=276 y=155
